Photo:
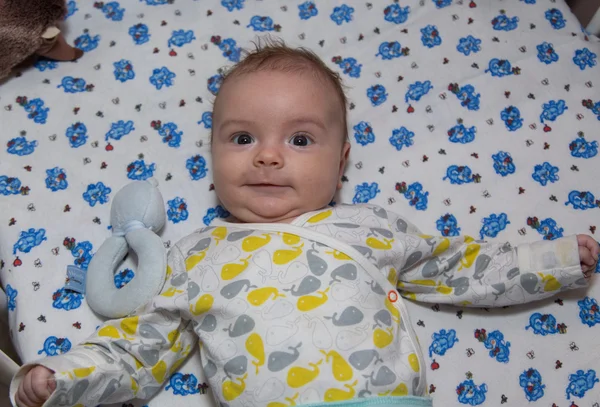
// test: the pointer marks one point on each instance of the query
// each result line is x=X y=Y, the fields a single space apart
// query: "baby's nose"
x=268 y=157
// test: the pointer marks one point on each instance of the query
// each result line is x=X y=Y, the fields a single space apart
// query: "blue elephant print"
x=442 y=3
x=82 y=252
x=511 y=116
x=216 y=212
x=162 y=77
x=363 y=133
x=503 y=163
x=504 y=23
x=391 y=50
x=589 y=311
x=74 y=85
x=364 y=192
x=542 y=324
x=402 y=137
x=229 y=47
x=493 y=225
x=177 y=210
x=349 y=66
x=77 y=134
x=71 y=8
x=183 y=384
x=196 y=166
x=552 y=109
x=181 y=37
x=140 y=171
x=495 y=343
x=461 y=174
x=139 y=33
x=307 y=10
x=214 y=83
x=580 y=382
x=35 y=109
x=342 y=14
x=169 y=133
x=56 y=179
x=544 y=173
x=546 y=53
x=96 y=193
x=262 y=24
x=377 y=94
x=86 y=42
x=594 y=107
x=28 y=239
x=461 y=134
x=467 y=96
x=548 y=228
x=123 y=70
x=417 y=90
x=582 y=200
x=396 y=14
x=501 y=67
x=531 y=382
x=43 y=64
x=20 y=146
x=528 y=1
x=469 y=44
x=556 y=18
x=206 y=120
x=66 y=299
x=9 y=185
x=581 y=148
x=430 y=36
x=447 y=225
x=584 y=58
x=123 y=277
x=415 y=194
x=11 y=295
x=55 y=346
x=112 y=10
x=231 y=5
x=442 y=341
x=470 y=393
x=119 y=129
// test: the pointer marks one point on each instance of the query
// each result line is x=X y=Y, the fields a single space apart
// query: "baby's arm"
x=124 y=359
x=462 y=271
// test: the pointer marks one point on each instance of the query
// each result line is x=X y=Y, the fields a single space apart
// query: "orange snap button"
x=392 y=296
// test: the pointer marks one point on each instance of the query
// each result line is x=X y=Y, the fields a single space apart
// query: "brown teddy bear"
x=30 y=27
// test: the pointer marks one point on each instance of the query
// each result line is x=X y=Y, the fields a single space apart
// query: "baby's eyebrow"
x=307 y=119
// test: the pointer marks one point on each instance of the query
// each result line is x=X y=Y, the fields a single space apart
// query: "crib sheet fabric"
x=468 y=117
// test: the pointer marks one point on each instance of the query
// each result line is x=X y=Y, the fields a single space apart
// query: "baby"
x=295 y=301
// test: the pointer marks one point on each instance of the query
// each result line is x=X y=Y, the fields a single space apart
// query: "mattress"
x=468 y=117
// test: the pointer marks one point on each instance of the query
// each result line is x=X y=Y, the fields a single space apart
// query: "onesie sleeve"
x=463 y=271
x=126 y=358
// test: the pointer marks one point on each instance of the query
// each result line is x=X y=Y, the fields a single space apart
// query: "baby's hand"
x=588 y=254
x=36 y=387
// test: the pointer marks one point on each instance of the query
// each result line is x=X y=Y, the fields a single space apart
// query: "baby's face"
x=278 y=147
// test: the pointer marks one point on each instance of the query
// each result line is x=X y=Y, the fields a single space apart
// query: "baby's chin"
x=271 y=210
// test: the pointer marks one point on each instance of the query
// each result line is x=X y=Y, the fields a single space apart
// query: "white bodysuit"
x=306 y=312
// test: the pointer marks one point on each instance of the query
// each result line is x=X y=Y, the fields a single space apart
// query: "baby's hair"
x=272 y=54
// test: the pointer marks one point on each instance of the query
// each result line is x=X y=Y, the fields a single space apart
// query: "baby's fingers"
x=589 y=243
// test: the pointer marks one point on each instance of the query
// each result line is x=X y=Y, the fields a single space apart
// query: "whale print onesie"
x=304 y=313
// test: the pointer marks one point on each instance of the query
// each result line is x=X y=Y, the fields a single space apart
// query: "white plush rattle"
x=137 y=214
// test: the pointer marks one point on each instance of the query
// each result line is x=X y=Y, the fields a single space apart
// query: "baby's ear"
x=345 y=153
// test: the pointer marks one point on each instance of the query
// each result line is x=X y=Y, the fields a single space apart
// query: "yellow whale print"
x=300 y=376
x=204 y=304
x=393 y=310
x=194 y=259
x=400 y=390
x=171 y=291
x=159 y=371
x=413 y=361
x=341 y=370
x=339 y=394
x=252 y=243
x=256 y=347
x=232 y=270
x=112 y=332
x=339 y=255
x=219 y=233
x=391 y=277
x=281 y=257
x=375 y=243
x=310 y=302
x=381 y=338
x=320 y=216
x=289 y=238
x=469 y=257
x=232 y=390
x=81 y=372
x=261 y=295
x=442 y=247
x=440 y=288
x=552 y=283
x=291 y=401
x=129 y=325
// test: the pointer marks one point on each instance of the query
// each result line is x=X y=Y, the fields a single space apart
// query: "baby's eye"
x=243 y=138
x=301 y=140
